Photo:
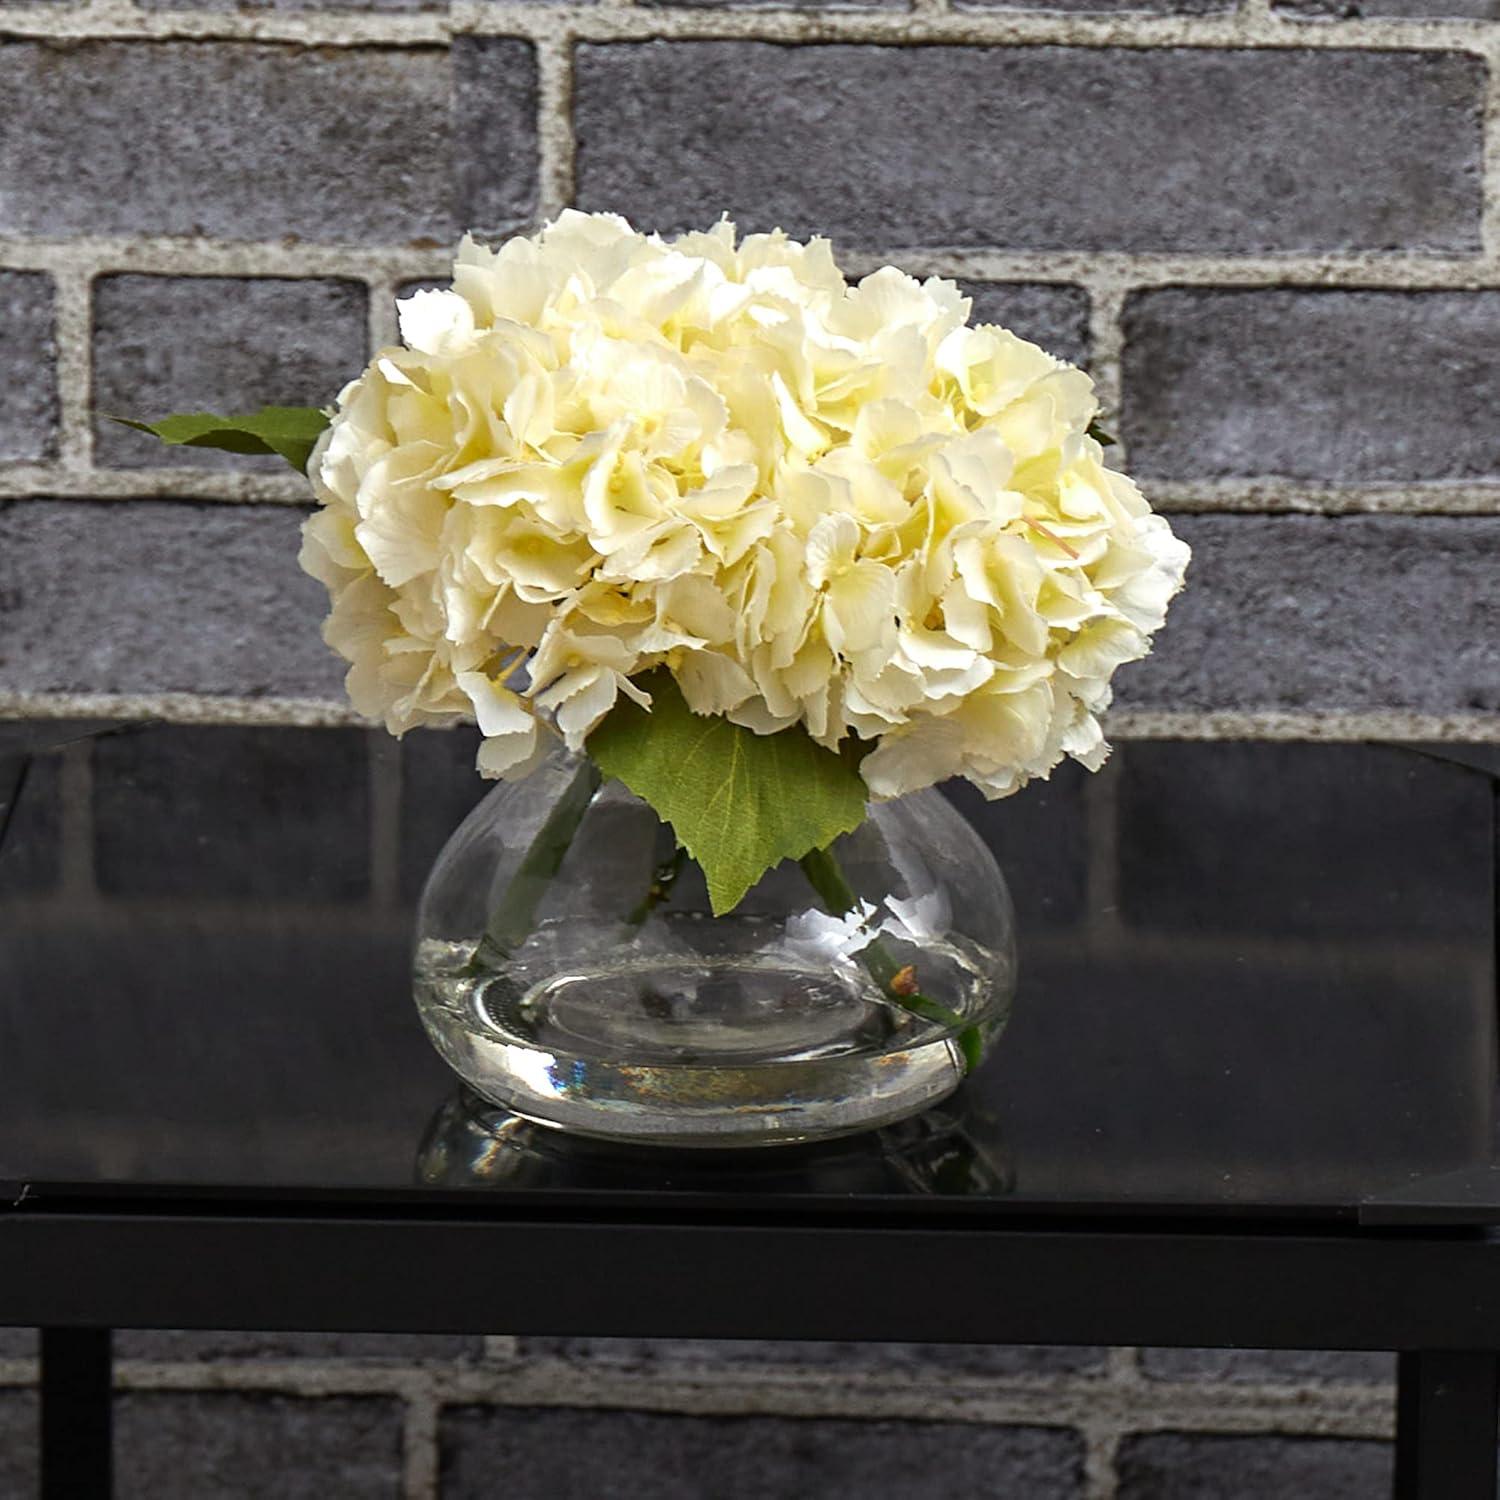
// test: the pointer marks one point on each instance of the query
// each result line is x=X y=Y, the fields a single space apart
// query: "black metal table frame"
x=1431 y=1295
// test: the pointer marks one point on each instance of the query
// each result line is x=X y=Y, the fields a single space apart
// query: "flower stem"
x=513 y=918
x=827 y=878
x=663 y=878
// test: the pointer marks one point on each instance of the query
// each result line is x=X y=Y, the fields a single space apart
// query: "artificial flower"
x=838 y=507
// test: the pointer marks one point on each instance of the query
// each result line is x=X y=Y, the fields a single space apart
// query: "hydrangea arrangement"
x=763 y=544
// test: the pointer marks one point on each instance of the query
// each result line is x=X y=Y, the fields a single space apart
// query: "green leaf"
x=287 y=431
x=1101 y=436
x=738 y=801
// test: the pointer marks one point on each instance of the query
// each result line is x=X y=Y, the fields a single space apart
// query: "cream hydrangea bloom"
x=843 y=507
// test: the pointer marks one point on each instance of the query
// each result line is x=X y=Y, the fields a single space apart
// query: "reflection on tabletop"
x=1251 y=975
x=953 y=1149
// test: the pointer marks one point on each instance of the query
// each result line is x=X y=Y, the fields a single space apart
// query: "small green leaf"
x=287 y=431
x=1104 y=438
x=738 y=801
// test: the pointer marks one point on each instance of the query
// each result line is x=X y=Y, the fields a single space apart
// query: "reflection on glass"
x=952 y=1150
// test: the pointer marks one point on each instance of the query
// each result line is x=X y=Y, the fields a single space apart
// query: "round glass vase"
x=568 y=966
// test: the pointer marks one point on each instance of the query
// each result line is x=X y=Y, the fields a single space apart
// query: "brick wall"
x=204 y=1415
x=1272 y=231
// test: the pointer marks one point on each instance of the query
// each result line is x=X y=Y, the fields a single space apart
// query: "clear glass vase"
x=568 y=967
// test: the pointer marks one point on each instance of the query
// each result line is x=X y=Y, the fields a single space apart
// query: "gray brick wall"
x=18 y=1465
x=1180 y=149
x=188 y=1446
x=841 y=1358
x=230 y=344
x=224 y=140
x=1057 y=317
x=198 y=598
x=1266 y=1365
x=1266 y=227
x=1355 y=386
x=28 y=398
x=1270 y=240
x=1176 y=1466
x=744 y=1458
x=1306 y=612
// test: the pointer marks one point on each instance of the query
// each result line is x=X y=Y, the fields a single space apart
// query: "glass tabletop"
x=1256 y=979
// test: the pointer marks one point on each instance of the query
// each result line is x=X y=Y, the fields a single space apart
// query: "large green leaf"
x=739 y=802
x=287 y=431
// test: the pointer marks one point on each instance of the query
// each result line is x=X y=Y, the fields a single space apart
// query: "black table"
x=1247 y=1097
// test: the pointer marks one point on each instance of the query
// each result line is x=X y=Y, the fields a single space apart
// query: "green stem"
x=663 y=878
x=828 y=879
x=511 y=921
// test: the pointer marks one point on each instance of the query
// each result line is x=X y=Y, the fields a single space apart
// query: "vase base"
x=696 y=1051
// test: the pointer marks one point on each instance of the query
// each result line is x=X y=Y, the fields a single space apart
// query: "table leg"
x=75 y=1418
x=1446 y=1411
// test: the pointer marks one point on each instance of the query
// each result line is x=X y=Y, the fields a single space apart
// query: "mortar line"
x=980 y=25
x=1102 y=1438
x=55 y=482
x=179 y=708
x=1101 y=1448
x=1346 y=1411
x=1490 y=147
x=1277 y=495
x=1249 y=28
x=97 y=255
x=94 y=255
x=1137 y=270
x=72 y=298
x=76 y=882
x=1106 y=339
x=380 y=315
x=419 y=1448
x=385 y=820
x=1349 y=1410
x=326 y=28
x=557 y=147
x=1102 y=875
x=1260 y=496
x=1332 y=725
